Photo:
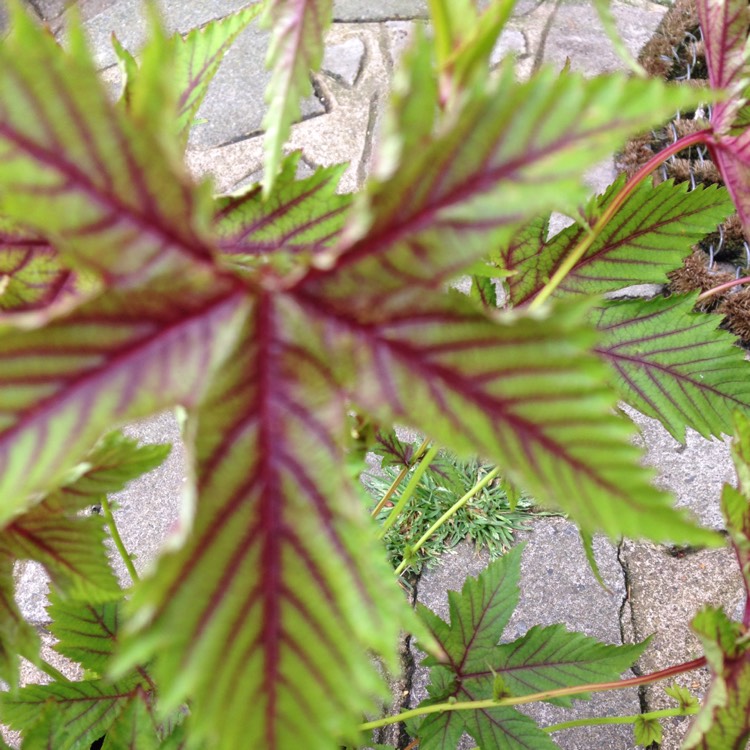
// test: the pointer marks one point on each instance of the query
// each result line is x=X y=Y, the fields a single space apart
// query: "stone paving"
x=651 y=589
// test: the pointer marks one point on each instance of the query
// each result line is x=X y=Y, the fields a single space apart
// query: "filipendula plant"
x=270 y=315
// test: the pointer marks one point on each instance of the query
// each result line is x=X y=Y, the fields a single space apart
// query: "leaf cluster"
x=270 y=315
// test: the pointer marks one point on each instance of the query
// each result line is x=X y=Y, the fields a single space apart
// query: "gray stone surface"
x=695 y=473
x=343 y=61
x=556 y=586
x=666 y=590
x=378 y=10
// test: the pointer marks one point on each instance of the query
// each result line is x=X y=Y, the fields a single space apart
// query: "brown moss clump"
x=735 y=307
x=695 y=276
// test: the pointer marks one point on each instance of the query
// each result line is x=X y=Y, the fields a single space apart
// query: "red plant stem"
x=569 y=262
x=722 y=288
x=645 y=679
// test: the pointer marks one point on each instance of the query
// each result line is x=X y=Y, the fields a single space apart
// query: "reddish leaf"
x=725 y=27
x=276 y=581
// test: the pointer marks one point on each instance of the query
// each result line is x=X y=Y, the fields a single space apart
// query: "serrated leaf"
x=81 y=172
x=475 y=667
x=723 y=723
x=682 y=695
x=523 y=390
x=113 y=359
x=724 y=26
x=134 y=728
x=17 y=637
x=647 y=731
x=287 y=229
x=86 y=633
x=546 y=658
x=674 y=364
x=198 y=57
x=280 y=582
x=648 y=237
x=506 y=156
x=295 y=51
x=83 y=711
x=392 y=450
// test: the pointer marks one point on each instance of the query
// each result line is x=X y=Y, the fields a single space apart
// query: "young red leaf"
x=674 y=364
x=280 y=593
x=296 y=51
x=649 y=236
x=511 y=151
x=723 y=723
x=725 y=26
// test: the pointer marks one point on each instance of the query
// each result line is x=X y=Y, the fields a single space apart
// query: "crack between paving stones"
x=625 y=607
x=364 y=160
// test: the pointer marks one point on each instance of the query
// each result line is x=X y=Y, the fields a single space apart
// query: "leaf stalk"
x=117 y=539
x=693 y=139
x=596 y=720
x=400 y=478
x=647 y=679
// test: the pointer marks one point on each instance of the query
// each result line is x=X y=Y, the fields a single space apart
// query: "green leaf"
x=296 y=50
x=281 y=582
x=547 y=658
x=115 y=358
x=86 y=633
x=513 y=150
x=674 y=364
x=286 y=230
x=522 y=389
x=474 y=667
x=723 y=723
x=135 y=727
x=647 y=731
x=648 y=237
x=17 y=637
x=199 y=55
x=682 y=695
x=587 y=541
x=85 y=174
x=82 y=711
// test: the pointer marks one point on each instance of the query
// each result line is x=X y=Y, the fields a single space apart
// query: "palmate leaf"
x=674 y=364
x=296 y=51
x=80 y=712
x=725 y=32
x=473 y=665
x=649 y=236
x=300 y=219
x=525 y=391
x=279 y=580
x=504 y=157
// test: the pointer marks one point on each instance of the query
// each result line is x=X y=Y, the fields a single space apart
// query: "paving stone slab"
x=380 y=10
x=556 y=586
x=695 y=472
x=666 y=589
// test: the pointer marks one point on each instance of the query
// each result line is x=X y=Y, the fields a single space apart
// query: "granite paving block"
x=666 y=589
x=380 y=10
x=556 y=586
x=343 y=61
x=695 y=472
